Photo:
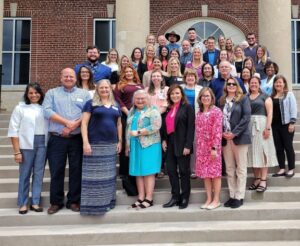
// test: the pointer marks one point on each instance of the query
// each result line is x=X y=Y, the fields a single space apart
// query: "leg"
x=288 y=138
x=57 y=157
x=216 y=182
x=208 y=189
x=75 y=169
x=257 y=177
x=25 y=169
x=171 y=164
x=240 y=153
x=230 y=168
x=149 y=185
x=141 y=187
x=278 y=142
x=38 y=170
x=185 y=172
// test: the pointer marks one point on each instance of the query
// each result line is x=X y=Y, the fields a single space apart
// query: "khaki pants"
x=235 y=157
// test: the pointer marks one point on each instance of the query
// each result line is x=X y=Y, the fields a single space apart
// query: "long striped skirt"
x=98 y=187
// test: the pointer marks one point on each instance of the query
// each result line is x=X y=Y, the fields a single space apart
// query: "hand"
x=119 y=147
x=134 y=133
x=72 y=124
x=65 y=131
x=266 y=134
x=164 y=145
x=18 y=158
x=87 y=150
x=213 y=154
x=228 y=135
x=291 y=128
x=186 y=151
x=127 y=150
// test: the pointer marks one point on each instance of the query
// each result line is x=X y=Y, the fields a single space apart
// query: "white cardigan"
x=22 y=124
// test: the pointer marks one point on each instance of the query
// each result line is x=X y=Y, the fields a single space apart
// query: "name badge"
x=115 y=108
x=79 y=100
x=161 y=96
x=179 y=79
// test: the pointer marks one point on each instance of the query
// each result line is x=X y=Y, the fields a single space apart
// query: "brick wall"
x=61 y=29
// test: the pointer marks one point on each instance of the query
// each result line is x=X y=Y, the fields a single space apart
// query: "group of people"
x=191 y=111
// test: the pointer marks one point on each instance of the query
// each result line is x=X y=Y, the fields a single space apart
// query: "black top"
x=238 y=66
x=173 y=80
x=276 y=112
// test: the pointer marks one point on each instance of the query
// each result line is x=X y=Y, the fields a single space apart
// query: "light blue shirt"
x=67 y=104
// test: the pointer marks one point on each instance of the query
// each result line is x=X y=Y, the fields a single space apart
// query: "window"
x=16 y=51
x=104 y=35
x=296 y=51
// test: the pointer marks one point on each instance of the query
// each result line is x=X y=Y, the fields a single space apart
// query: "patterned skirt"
x=98 y=187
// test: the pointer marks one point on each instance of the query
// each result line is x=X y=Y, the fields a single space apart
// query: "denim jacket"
x=288 y=108
x=150 y=120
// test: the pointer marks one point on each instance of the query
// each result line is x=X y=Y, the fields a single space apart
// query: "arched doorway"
x=206 y=27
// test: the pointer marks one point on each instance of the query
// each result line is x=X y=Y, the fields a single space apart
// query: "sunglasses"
x=231 y=84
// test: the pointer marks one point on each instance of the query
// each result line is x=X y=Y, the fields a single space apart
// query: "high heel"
x=261 y=188
x=147 y=202
x=254 y=186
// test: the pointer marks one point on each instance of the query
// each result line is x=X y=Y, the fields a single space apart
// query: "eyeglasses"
x=231 y=84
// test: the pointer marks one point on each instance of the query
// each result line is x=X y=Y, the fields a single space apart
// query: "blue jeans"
x=33 y=162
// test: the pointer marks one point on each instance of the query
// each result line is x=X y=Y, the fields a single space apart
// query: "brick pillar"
x=275 y=33
x=132 y=24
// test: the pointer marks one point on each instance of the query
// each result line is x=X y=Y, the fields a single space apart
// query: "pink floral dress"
x=208 y=135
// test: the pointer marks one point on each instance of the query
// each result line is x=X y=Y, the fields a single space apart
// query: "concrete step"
x=8 y=184
x=248 y=243
x=5 y=116
x=165 y=232
x=198 y=195
x=124 y=214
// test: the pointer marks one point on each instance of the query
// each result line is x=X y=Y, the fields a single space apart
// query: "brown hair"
x=192 y=72
x=171 y=89
x=123 y=81
x=258 y=79
x=213 y=98
x=238 y=95
x=151 y=86
x=285 y=89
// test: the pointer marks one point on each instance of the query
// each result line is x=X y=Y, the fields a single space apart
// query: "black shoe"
x=173 y=202
x=184 y=203
x=236 y=203
x=279 y=174
x=229 y=202
x=38 y=209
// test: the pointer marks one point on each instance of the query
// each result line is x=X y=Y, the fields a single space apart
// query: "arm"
x=119 y=129
x=245 y=117
x=293 y=111
x=87 y=150
x=190 y=127
x=118 y=95
x=269 y=109
x=155 y=123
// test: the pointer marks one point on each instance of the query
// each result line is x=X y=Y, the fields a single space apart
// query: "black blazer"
x=184 y=129
x=239 y=122
x=217 y=54
x=142 y=68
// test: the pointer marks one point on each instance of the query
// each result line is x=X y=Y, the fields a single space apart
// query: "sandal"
x=147 y=202
x=261 y=188
x=160 y=175
x=254 y=186
x=136 y=204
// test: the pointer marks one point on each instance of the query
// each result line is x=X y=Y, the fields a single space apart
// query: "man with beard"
x=99 y=70
x=192 y=35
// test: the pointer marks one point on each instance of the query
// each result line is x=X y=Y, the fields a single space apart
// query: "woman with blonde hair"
x=149 y=54
x=238 y=59
x=101 y=131
x=236 y=138
x=197 y=62
x=261 y=59
x=115 y=76
x=174 y=74
x=112 y=60
x=157 y=65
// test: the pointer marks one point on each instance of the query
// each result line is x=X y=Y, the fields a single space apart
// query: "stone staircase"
x=272 y=218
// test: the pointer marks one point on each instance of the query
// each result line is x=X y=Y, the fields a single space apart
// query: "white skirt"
x=261 y=152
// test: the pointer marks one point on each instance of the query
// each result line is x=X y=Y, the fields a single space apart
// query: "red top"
x=170 y=118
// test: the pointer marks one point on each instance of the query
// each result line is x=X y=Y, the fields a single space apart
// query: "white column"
x=132 y=24
x=275 y=33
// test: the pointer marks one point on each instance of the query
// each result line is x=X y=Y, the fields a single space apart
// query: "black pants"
x=182 y=163
x=59 y=149
x=283 y=141
x=128 y=181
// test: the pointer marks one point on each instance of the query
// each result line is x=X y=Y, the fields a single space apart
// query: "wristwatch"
x=139 y=132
